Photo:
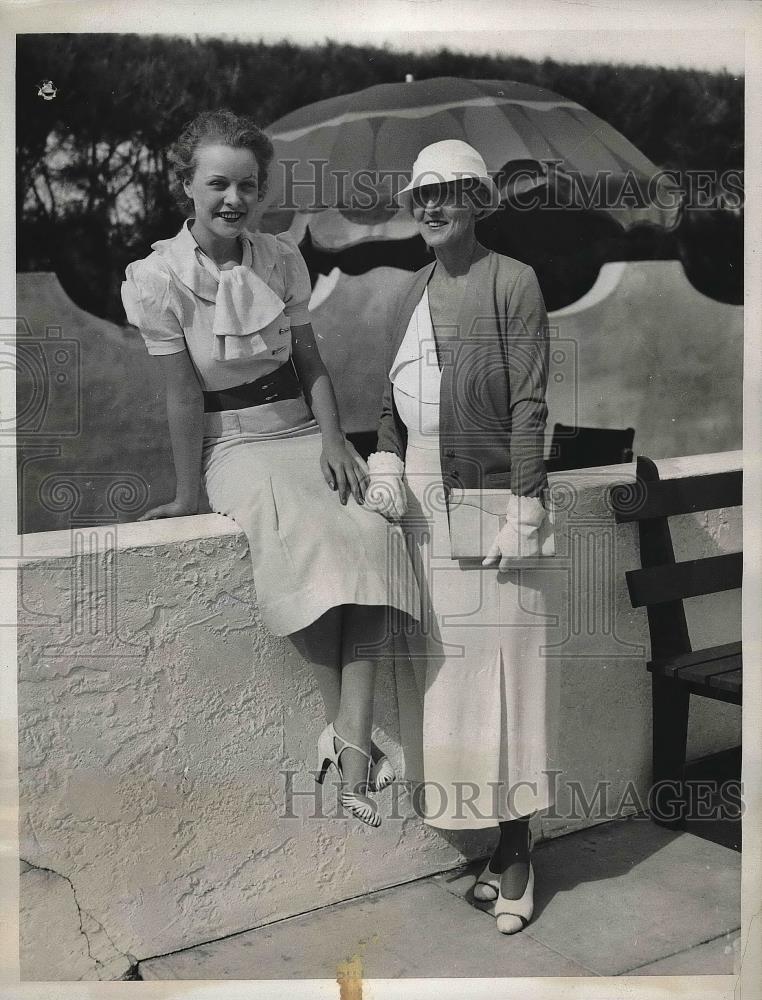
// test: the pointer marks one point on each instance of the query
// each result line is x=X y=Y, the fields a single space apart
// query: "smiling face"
x=444 y=213
x=225 y=192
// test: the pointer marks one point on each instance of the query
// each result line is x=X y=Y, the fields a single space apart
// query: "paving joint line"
x=681 y=951
x=527 y=931
x=557 y=951
x=301 y=913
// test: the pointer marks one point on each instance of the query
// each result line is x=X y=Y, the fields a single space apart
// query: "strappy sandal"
x=381 y=773
x=357 y=804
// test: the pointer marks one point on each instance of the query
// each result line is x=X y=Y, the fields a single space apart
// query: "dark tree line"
x=93 y=179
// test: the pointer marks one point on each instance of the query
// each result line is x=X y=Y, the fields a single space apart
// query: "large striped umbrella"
x=339 y=162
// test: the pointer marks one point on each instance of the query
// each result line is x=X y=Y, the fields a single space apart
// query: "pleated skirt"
x=483 y=736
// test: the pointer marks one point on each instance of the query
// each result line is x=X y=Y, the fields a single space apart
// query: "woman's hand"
x=175 y=508
x=519 y=537
x=344 y=469
x=385 y=492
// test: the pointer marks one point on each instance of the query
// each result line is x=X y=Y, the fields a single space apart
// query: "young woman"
x=465 y=408
x=252 y=411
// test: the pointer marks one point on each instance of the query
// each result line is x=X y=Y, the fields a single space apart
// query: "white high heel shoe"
x=358 y=805
x=487 y=885
x=523 y=908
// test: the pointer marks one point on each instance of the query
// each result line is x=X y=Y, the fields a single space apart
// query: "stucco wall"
x=156 y=719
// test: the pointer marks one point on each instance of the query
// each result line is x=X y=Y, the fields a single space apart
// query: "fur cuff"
x=385 y=462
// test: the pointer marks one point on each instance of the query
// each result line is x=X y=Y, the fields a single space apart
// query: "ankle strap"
x=349 y=746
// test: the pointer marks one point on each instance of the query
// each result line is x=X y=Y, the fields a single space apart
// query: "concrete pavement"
x=622 y=898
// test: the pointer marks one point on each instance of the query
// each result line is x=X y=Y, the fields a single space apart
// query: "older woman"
x=464 y=408
x=252 y=411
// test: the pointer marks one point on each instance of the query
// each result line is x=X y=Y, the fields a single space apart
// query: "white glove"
x=520 y=537
x=385 y=492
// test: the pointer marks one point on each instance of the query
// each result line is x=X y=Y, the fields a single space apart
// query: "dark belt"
x=280 y=384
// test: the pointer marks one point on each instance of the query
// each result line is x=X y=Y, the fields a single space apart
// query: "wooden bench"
x=661 y=585
x=583 y=447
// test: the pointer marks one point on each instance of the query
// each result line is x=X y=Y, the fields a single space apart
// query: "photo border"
x=411 y=15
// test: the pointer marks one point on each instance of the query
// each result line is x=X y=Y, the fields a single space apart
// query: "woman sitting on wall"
x=251 y=411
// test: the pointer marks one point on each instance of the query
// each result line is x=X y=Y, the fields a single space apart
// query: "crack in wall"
x=80 y=912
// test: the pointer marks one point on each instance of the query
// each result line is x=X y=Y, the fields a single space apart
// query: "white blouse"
x=416 y=377
x=235 y=323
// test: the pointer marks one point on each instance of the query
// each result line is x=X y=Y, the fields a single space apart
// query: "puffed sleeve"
x=297 y=280
x=148 y=302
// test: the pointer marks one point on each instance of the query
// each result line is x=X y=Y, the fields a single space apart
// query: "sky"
x=702 y=36
x=699 y=50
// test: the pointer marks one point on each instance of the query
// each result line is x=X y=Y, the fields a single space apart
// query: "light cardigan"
x=494 y=361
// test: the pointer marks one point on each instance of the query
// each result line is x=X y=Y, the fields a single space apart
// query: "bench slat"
x=669 y=497
x=714 y=659
x=699 y=673
x=707 y=673
x=692 y=578
x=697 y=656
x=732 y=681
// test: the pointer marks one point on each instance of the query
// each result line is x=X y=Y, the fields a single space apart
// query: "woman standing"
x=252 y=411
x=464 y=408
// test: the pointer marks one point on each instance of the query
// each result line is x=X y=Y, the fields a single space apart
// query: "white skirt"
x=308 y=552
x=489 y=695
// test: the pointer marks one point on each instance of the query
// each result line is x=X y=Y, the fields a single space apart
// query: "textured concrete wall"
x=156 y=716
x=156 y=719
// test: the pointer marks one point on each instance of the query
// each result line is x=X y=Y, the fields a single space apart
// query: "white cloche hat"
x=447 y=161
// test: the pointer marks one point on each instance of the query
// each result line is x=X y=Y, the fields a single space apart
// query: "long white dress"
x=489 y=697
